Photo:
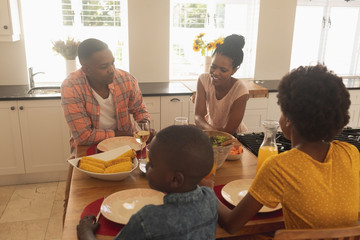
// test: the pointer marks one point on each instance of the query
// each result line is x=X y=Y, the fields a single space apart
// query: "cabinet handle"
x=12 y=108
x=21 y=107
x=6 y=27
x=175 y=100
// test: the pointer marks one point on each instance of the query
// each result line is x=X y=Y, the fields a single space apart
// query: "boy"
x=179 y=157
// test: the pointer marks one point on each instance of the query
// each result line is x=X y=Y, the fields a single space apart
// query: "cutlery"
x=98 y=215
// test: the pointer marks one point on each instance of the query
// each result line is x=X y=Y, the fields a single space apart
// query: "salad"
x=216 y=140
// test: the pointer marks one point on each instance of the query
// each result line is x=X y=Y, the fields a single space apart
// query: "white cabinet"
x=153 y=107
x=173 y=106
x=255 y=113
x=37 y=139
x=11 y=160
x=354 y=109
x=9 y=21
x=273 y=109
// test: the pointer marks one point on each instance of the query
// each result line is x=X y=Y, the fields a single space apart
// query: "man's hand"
x=123 y=133
x=87 y=227
x=152 y=135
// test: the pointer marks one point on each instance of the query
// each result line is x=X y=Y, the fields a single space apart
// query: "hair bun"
x=234 y=40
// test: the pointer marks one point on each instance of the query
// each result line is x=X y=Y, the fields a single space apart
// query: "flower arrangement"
x=67 y=49
x=206 y=48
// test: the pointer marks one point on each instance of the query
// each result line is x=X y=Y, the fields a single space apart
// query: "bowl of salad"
x=222 y=144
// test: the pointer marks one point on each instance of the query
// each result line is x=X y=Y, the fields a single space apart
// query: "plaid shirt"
x=82 y=111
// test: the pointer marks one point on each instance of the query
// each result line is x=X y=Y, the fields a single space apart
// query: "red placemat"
x=110 y=228
x=107 y=227
x=277 y=213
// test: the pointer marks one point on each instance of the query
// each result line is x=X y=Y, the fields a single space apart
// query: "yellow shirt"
x=313 y=194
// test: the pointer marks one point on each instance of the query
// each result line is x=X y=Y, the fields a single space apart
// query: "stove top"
x=252 y=141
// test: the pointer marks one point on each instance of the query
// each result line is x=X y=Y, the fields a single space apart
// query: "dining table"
x=85 y=189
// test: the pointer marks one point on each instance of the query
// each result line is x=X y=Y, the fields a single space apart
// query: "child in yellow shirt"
x=317 y=181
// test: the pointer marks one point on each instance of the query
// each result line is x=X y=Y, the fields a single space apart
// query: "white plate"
x=120 y=206
x=115 y=142
x=236 y=190
x=107 y=156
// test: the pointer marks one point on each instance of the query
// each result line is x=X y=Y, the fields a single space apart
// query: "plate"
x=120 y=206
x=107 y=156
x=115 y=142
x=236 y=190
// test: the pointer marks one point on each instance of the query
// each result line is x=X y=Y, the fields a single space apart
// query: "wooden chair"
x=346 y=233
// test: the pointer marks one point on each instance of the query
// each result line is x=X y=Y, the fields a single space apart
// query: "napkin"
x=93 y=150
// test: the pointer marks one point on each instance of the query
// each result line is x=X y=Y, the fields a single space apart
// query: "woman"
x=221 y=99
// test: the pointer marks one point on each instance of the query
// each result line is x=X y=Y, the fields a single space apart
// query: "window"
x=215 y=18
x=327 y=32
x=47 y=21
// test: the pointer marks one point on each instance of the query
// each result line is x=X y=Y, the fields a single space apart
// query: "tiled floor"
x=32 y=211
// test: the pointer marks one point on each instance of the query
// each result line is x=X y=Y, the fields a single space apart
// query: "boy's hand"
x=87 y=227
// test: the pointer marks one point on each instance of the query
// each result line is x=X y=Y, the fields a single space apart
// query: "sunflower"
x=206 y=48
x=210 y=46
x=218 y=42
x=196 y=47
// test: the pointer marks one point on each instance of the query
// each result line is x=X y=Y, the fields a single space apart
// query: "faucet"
x=31 y=75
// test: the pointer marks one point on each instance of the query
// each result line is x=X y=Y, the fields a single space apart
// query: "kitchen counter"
x=19 y=92
x=257 y=88
x=272 y=85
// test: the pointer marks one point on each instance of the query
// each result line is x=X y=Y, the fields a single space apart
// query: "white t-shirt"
x=107 y=118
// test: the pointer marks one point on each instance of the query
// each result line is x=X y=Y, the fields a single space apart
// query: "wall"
x=149 y=43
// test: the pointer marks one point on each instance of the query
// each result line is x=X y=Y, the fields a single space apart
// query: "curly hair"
x=232 y=48
x=316 y=102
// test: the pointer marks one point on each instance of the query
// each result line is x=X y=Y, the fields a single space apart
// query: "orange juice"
x=264 y=153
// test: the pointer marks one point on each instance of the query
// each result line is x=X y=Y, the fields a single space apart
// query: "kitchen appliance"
x=252 y=141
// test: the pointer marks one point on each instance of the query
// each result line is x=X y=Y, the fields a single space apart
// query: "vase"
x=207 y=63
x=70 y=66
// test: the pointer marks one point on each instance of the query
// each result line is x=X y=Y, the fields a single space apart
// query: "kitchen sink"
x=48 y=90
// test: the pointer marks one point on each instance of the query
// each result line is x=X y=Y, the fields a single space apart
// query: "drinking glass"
x=142 y=134
x=181 y=121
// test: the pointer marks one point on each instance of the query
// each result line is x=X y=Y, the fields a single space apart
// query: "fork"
x=98 y=215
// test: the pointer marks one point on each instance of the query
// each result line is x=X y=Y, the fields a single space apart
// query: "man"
x=98 y=99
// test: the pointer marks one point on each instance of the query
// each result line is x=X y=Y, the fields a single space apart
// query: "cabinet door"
x=153 y=106
x=9 y=21
x=173 y=106
x=45 y=135
x=255 y=113
x=273 y=110
x=354 y=109
x=11 y=160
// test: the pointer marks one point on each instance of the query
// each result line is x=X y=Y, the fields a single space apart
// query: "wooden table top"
x=85 y=190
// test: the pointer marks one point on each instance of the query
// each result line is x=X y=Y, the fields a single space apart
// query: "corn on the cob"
x=99 y=164
x=117 y=160
x=90 y=168
x=129 y=153
x=120 y=167
x=92 y=159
